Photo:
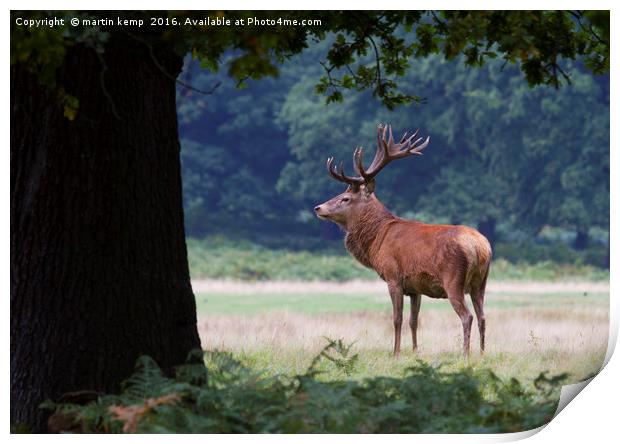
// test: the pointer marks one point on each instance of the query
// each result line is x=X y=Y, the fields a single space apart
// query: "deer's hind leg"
x=456 y=296
x=477 y=299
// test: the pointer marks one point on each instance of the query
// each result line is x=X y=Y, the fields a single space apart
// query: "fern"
x=225 y=396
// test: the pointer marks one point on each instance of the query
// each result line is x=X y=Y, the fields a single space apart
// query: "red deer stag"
x=413 y=258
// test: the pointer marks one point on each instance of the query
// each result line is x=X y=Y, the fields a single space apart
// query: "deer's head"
x=346 y=207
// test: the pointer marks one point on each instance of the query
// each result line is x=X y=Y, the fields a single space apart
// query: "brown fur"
x=413 y=258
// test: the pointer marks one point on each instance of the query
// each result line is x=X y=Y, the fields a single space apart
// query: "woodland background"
x=528 y=166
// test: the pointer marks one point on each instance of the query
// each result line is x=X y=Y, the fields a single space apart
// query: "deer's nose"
x=317 y=208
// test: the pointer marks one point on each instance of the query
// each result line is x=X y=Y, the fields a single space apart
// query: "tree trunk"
x=488 y=228
x=99 y=272
x=582 y=240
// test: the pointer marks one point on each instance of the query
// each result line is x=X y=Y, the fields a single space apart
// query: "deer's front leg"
x=416 y=300
x=396 y=293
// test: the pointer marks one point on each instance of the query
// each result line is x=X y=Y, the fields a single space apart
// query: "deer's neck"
x=368 y=227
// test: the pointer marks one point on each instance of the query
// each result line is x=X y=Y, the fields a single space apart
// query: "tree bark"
x=488 y=228
x=99 y=272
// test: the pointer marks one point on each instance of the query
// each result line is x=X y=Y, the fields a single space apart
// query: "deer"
x=413 y=258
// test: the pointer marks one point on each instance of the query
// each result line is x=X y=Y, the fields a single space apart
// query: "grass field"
x=270 y=369
x=278 y=327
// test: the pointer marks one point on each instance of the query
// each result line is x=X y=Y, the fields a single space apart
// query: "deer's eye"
x=346 y=199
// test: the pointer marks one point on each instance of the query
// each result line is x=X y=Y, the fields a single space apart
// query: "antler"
x=338 y=174
x=387 y=150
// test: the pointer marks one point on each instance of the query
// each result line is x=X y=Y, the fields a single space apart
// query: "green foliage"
x=213 y=258
x=231 y=180
x=41 y=49
x=337 y=353
x=552 y=254
x=538 y=40
x=370 y=51
x=501 y=152
x=228 y=397
x=219 y=258
x=503 y=269
x=565 y=177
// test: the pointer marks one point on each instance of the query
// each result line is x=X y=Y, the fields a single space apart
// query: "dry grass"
x=525 y=334
x=519 y=331
x=376 y=285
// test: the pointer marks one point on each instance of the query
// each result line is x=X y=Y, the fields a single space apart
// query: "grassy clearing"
x=522 y=347
x=309 y=302
x=527 y=332
x=268 y=368
x=221 y=259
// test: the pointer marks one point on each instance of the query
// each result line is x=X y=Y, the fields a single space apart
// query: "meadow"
x=273 y=308
x=314 y=355
x=532 y=327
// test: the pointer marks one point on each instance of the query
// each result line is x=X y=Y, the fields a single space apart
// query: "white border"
x=592 y=416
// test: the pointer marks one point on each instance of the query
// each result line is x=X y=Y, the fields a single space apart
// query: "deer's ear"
x=370 y=187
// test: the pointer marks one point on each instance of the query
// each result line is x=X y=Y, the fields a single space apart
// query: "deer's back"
x=426 y=258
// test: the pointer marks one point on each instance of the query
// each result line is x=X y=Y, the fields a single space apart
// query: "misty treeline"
x=528 y=166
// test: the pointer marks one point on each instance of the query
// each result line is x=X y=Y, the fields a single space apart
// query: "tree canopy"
x=371 y=49
x=482 y=119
